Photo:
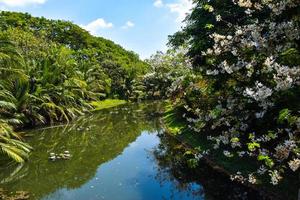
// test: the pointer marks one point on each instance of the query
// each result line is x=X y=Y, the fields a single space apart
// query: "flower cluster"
x=259 y=92
x=294 y=164
x=275 y=177
x=253 y=66
x=240 y=178
x=282 y=151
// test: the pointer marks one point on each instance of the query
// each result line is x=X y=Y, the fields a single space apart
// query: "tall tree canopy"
x=246 y=54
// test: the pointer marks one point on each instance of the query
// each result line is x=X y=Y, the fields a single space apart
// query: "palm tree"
x=11 y=144
x=9 y=55
x=12 y=97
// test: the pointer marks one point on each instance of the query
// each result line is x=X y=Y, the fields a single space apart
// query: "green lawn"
x=108 y=103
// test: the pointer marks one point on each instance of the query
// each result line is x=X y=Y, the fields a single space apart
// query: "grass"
x=108 y=103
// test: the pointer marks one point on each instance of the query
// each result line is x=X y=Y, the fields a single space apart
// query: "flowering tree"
x=166 y=70
x=250 y=94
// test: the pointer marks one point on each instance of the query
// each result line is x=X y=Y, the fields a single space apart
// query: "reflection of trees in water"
x=172 y=167
x=16 y=171
x=92 y=140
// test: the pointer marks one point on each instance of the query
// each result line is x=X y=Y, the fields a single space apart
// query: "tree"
x=249 y=64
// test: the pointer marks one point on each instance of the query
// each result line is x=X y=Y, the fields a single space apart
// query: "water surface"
x=120 y=153
x=112 y=158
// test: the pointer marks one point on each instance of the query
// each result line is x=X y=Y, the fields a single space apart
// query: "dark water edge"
x=119 y=153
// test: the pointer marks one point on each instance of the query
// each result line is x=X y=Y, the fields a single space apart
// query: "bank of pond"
x=117 y=153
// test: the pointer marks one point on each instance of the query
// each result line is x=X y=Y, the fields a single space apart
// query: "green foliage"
x=51 y=69
x=209 y=26
x=167 y=70
x=244 y=79
x=268 y=161
x=11 y=145
x=108 y=103
x=215 y=113
x=93 y=140
x=201 y=23
x=253 y=146
x=290 y=57
x=234 y=140
x=173 y=122
x=284 y=115
x=192 y=163
x=36 y=39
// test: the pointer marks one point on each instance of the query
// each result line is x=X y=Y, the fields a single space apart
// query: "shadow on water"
x=116 y=154
x=92 y=140
x=172 y=166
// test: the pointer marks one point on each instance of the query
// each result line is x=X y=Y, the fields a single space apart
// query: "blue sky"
x=139 y=25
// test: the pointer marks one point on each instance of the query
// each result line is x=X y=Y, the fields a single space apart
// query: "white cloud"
x=158 y=3
x=128 y=24
x=95 y=26
x=181 y=8
x=20 y=3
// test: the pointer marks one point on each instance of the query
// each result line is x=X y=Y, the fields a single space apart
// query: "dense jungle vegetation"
x=51 y=71
x=232 y=77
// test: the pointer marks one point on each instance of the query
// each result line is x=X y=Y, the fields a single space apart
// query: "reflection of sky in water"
x=115 y=155
x=131 y=175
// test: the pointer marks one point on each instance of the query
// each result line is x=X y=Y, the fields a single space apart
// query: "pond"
x=119 y=153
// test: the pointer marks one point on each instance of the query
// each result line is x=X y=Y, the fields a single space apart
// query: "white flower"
x=248 y=11
x=238 y=177
x=244 y=3
x=198 y=156
x=294 y=164
x=239 y=32
x=227 y=154
x=234 y=52
x=241 y=153
x=210 y=9
x=275 y=177
x=259 y=93
x=269 y=61
x=282 y=151
x=260 y=114
x=252 y=179
x=218 y=18
x=212 y=72
x=229 y=37
x=262 y=170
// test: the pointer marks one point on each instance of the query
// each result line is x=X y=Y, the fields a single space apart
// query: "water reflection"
x=92 y=140
x=117 y=154
x=112 y=159
x=131 y=175
x=173 y=167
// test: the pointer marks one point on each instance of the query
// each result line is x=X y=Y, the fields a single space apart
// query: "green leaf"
x=283 y=115
x=253 y=146
x=268 y=161
x=209 y=26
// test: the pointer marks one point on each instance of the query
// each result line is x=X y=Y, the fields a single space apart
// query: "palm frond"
x=7 y=105
x=12 y=152
x=11 y=144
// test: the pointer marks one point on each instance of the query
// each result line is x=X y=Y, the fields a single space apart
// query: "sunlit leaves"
x=268 y=161
x=11 y=145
